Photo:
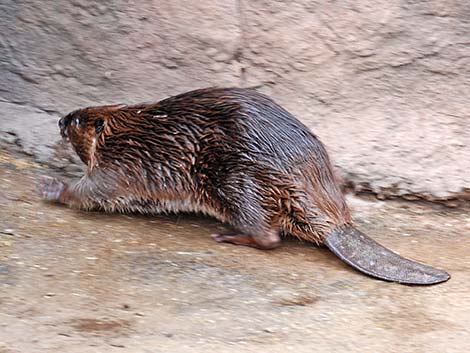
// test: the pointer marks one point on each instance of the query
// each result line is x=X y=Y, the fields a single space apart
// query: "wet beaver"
x=230 y=153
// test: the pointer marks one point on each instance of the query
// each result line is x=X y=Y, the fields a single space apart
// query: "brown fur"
x=230 y=153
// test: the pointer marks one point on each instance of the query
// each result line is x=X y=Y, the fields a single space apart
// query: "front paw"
x=50 y=189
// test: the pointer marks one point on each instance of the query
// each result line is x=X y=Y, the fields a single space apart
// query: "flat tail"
x=366 y=255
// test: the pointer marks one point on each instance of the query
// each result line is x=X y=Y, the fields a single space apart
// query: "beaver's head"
x=82 y=128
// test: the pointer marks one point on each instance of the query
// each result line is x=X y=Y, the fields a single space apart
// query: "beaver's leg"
x=87 y=193
x=265 y=241
x=252 y=224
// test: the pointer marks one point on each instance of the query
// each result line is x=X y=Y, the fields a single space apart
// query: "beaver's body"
x=230 y=153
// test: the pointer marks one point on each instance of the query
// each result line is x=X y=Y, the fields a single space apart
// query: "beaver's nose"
x=63 y=127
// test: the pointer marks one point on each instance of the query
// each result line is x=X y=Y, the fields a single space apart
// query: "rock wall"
x=384 y=83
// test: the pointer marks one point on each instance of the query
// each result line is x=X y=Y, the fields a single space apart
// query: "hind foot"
x=264 y=242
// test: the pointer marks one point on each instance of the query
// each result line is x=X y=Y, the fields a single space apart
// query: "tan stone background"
x=384 y=83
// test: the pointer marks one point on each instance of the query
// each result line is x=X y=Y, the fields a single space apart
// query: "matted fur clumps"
x=231 y=153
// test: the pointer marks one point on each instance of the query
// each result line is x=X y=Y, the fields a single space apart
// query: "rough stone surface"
x=32 y=129
x=385 y=84
x=92 y=282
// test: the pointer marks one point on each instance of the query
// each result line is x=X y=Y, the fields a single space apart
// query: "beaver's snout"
x=63 y=131
x=63 y=123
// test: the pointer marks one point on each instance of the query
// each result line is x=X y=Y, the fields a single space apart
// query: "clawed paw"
x=219 y=238
x=50 y=189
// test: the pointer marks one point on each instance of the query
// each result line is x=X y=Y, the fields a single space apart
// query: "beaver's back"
x=247 y=122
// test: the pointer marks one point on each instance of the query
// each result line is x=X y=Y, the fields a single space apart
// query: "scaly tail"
x=366 y=255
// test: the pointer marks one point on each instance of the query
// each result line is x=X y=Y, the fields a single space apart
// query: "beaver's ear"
x=99 y=126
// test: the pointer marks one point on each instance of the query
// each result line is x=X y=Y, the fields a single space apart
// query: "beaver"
x=230 y=153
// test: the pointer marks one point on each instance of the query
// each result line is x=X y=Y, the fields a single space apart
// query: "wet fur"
x=230 y=153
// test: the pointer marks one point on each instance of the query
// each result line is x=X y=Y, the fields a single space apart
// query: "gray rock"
x=385 y=84
x=34 y=130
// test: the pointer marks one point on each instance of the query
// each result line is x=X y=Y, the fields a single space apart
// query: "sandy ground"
x=81 y=282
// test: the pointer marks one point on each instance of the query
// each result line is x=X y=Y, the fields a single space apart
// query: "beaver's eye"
x=76 y=121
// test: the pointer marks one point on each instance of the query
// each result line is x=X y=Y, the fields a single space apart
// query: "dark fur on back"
x=231 y=153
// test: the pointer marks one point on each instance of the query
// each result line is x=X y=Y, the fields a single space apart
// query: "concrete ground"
x=81 y=282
